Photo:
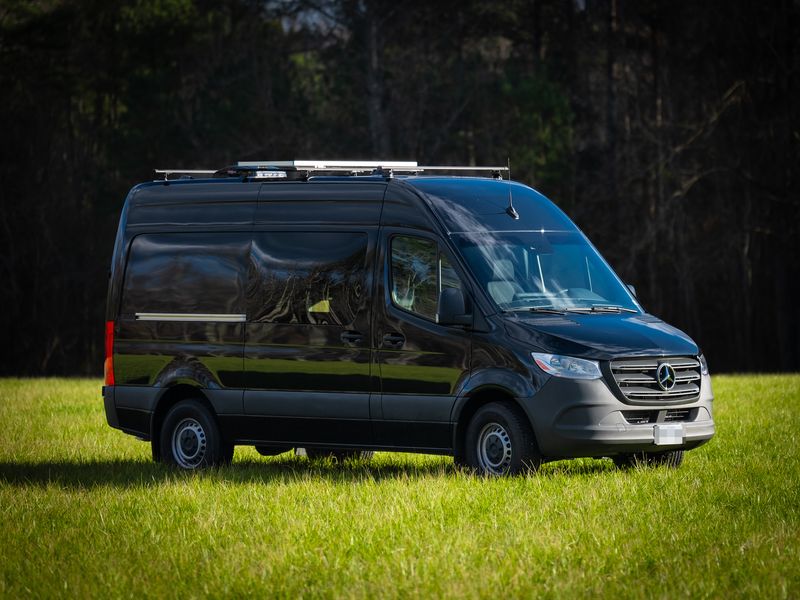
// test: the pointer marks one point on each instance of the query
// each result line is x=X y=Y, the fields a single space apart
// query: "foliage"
x=86 y=513
x=668 y=131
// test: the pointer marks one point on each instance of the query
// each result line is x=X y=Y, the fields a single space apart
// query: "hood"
x=600 y=336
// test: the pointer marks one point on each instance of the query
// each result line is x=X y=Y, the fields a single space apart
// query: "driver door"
x=421 y=364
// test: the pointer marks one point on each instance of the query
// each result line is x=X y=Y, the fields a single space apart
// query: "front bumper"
x=573 y=418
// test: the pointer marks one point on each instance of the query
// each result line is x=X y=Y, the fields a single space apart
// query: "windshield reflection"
x=544 y=270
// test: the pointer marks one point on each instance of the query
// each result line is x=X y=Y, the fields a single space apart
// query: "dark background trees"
x=670 y=131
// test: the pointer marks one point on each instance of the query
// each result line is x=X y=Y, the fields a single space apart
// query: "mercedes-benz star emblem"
x=666 y=376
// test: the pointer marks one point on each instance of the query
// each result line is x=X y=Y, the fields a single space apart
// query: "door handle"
x=393 y=340
x=351 y=337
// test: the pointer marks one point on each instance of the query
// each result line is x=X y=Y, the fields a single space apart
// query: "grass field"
x=83 y=512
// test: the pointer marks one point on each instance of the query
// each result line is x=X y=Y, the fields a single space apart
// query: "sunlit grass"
x=84 y=512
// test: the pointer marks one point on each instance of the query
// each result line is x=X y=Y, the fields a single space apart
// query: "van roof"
x=462 y=204
x=480 y=204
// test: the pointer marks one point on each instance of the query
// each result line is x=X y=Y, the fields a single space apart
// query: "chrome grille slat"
x=637 y=379
x=689 y=364
x=690 y=376
x=686 y=388
x=633 y=366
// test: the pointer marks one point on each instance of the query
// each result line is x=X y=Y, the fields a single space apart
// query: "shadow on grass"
x=137 y=473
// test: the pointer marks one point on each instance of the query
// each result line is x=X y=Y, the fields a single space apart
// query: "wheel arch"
x=470 y=404
x=166 y=400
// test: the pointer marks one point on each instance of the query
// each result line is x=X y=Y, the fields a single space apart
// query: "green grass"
x=83 y=512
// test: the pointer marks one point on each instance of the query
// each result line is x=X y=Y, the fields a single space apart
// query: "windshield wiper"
x=601 y=308
x=538 y=309
x=551 y=309
x=612 y=308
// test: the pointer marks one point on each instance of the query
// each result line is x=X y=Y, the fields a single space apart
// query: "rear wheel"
x=338 y=455
x=500 y=441
x=670 y=458
x=190 y=438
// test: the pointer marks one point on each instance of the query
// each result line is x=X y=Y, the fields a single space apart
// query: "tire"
x=338 y=456
x=671 y=458
x=500 y=441
x=190 y=438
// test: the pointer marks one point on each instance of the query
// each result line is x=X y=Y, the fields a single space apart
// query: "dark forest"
x=668 y=130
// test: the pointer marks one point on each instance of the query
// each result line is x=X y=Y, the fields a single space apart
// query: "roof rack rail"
x=233 y=171
x=332 y=165
x=167 y=172
x=362 y=166
x=277 y=169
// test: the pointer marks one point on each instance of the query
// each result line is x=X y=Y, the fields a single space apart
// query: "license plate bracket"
x=668 y=434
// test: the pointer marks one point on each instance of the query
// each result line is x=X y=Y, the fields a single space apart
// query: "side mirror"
x=452 y=310
x=632 y=289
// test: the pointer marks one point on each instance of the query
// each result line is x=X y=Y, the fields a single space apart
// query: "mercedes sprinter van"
x=349 y=307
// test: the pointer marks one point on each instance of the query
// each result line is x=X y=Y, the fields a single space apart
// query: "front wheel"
x=190 y=438
x=670 y=458
x=500 y=441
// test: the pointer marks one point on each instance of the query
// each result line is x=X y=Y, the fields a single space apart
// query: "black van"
x=350 y=307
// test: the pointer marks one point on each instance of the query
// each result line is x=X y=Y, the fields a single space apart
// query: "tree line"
x=669 y=131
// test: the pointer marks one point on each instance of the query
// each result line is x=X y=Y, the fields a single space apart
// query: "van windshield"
x=555 y=270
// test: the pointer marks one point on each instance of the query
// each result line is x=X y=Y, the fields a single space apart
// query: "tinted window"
x=418 y=275
x=314 y=278
x=525 y=269
x=186 y=273
x=447 y=274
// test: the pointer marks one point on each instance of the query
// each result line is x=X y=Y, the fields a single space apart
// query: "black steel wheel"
x=190 y=438
x=500 y=441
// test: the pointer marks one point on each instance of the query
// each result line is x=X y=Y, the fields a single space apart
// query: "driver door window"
x=419 y=271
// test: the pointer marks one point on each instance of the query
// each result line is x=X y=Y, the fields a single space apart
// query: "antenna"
x=510 y=210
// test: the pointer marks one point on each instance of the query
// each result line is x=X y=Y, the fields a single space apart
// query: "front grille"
x=681 y=414
x=640 y=417
x=671 y=415
x=636 y=379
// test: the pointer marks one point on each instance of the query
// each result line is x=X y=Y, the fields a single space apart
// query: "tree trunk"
x=378 y=128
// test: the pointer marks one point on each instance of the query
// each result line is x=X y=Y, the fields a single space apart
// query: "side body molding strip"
x=220 y=318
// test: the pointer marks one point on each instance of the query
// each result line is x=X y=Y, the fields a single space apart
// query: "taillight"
x=108 y=365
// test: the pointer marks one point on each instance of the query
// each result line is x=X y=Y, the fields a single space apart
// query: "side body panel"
x=182 y=311
x=307 y=353
x=182 y=237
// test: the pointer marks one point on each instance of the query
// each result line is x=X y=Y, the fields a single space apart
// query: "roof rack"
x=167 y=172
x=234 y=171
x=277 y=169
x=332 y=165
x=362 y=166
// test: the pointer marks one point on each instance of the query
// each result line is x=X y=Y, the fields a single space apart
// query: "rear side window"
x=307 y=277
x=186 y=273
x=419 y=273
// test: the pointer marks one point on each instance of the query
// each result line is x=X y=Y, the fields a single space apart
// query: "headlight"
x=703 y=364
x=567 y=366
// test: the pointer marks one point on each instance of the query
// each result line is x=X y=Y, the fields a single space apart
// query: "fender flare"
x=507 y=383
